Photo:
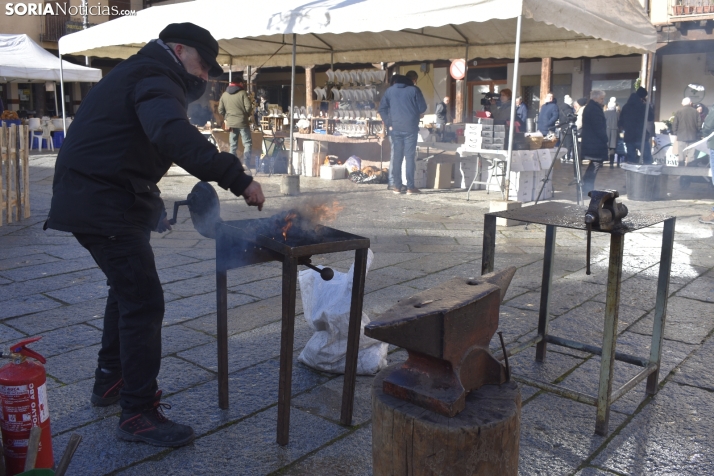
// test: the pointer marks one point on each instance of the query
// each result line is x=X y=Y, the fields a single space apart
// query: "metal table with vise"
x=240 y=243
x=554 y=215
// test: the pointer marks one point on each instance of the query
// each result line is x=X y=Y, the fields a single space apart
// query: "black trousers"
x=589 y=176
x=131 y=342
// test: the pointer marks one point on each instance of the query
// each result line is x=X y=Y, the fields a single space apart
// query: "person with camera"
x=503 y=113
x=594 y=138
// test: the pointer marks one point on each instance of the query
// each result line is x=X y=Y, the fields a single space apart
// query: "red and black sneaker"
x=151 y=426
x=106 y=389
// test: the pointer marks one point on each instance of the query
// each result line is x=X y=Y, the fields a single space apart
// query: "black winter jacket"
x=129 y=129
x=632 y=118
x=401 y=107
x=548 y=116
x=594 y=132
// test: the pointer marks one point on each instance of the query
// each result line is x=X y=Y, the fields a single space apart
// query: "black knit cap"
x=193 y=35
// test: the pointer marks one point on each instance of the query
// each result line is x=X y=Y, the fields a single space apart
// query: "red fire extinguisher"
x=23 y=396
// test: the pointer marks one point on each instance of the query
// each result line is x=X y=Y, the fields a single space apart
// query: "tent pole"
x=650 y=74
x=291 y=169
x=64 y=113
x=230 y=75
x=55 y=95
x=511 y=128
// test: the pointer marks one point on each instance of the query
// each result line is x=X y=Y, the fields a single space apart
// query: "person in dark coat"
x=686 y=126
x=128 y=131
x=503 y=113
x=549 y=114
x=594 y=138
x=400 y=110
x=632 y=121
x=613 y=133
x=443 y=116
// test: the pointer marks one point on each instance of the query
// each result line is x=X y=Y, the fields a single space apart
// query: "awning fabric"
x=21 y=59
x=372 y=31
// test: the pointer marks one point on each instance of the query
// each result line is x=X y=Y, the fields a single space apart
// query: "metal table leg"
x=489 y=244
x=348 y=388
x=660 y=316
x=544 y=312
x=287 y=335
x=609 y=340
x=222 y=337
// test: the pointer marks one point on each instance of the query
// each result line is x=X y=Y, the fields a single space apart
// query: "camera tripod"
x=571 y=129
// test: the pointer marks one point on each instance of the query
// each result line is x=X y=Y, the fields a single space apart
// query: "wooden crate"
x=14 y=173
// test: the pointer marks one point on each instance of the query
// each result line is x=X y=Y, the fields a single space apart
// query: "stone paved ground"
x=50 y=286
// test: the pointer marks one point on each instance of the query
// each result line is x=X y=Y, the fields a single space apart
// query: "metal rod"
x=64 y=113
x=348 y=388
x=622 y=357
x=505 y=357
x=544 y=311
x=609 y=335
x=69 y=451
x=291 y=169
x=660 y=315
x=641 y=375
x=520 y=347
x=287 y=335
x=562 y=391
x=589 y=237
x=514 y=94
x=489 y=243
x=222 y=337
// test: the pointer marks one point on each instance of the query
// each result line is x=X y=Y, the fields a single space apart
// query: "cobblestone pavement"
x=50 y=286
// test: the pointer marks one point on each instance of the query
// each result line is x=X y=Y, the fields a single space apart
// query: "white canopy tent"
x=21 y=59
x=372 y=31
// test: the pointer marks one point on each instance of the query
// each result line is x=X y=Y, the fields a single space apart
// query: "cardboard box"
x=499 y=206
x=419 y=174
x=333 y=172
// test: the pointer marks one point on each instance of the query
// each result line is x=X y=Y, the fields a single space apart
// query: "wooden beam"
x=459 y=113
x=546 y=78
x=587 y=77
x=309 y=81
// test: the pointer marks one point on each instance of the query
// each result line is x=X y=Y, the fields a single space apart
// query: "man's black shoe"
x=151 y=426
x=106 y=389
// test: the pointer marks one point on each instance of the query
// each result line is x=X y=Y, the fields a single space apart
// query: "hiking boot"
x=413 y=191
x=151 y=426
x=707 y=219
x=106 y=389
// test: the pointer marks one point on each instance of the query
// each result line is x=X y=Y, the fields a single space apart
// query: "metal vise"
x=446 y=330
x=604 y=214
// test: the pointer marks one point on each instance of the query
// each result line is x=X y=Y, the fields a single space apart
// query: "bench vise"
x=604 y=214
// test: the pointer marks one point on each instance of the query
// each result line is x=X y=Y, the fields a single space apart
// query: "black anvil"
x=446 y=330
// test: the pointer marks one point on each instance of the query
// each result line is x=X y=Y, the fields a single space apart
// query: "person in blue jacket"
x=400 y=110
x=549 y=114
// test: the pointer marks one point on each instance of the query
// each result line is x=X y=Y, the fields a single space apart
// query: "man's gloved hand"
x=163 y=224
x=253 y=195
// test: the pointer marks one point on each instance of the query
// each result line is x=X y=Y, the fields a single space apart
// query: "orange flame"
x=288 y=224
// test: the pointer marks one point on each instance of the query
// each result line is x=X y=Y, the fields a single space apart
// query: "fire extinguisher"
x=23 y=397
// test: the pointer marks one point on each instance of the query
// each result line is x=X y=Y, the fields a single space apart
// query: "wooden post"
x=481 y=440
x=309 y=81
x=25 y=161
x=546 y=78
x=459 y=113
x=12 y=179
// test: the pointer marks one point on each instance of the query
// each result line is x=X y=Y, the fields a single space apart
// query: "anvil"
x=446 y=330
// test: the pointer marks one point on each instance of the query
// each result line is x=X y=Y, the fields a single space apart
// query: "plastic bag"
x=327 y=309
x=353 y=164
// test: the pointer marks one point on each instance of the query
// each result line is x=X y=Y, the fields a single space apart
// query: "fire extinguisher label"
x=13 y=391
x=42 y=399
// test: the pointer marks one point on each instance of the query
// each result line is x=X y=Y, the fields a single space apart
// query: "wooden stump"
x=481 y=440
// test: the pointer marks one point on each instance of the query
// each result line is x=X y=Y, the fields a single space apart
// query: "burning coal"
x=301 y=222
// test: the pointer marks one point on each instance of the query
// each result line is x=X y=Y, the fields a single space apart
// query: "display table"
x=554 y=215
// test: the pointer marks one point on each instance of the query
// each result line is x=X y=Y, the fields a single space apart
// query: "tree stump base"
x=481 y=440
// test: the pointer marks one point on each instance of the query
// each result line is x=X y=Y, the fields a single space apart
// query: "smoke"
x=300 y=223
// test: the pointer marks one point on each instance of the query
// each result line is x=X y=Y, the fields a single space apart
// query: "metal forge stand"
x=238 y=244
x=554 y=215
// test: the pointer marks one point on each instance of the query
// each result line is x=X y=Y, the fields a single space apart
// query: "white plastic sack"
x=327 y=308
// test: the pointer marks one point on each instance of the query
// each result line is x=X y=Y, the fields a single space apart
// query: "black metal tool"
x=604 y=213
x=204 y=207
x=325 y=273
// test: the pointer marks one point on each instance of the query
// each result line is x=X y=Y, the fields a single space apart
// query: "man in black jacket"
x=549 y=114
x=130 y=128
x=594 y=138
x=632 y=121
